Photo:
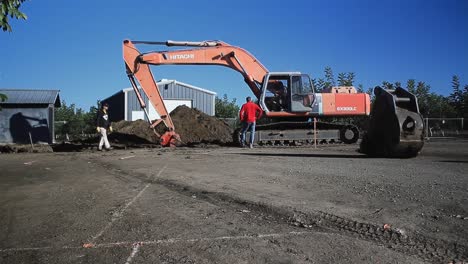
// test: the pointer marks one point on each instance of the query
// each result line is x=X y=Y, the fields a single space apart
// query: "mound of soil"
x=195 y=127
x=133 y=132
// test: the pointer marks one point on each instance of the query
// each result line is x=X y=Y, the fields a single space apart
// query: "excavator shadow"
x=308 y=155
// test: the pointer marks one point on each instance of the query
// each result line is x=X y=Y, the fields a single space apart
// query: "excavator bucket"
x=170 y=139
x=396 y=127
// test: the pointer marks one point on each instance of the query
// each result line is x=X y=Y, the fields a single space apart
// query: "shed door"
x=138 y=115
x=171 y=104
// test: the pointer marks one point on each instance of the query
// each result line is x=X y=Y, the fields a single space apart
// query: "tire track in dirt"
x=413 y=244
x=425 y=247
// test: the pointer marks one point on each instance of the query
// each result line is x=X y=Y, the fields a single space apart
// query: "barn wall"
x=16 y=122
x=200 y=100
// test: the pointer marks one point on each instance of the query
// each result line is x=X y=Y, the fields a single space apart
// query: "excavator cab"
x=287 y=92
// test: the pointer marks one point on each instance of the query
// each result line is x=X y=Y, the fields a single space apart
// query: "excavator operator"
x=278 y=101
x=248 y=115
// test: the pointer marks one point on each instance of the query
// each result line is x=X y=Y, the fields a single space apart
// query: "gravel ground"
x=231 y=205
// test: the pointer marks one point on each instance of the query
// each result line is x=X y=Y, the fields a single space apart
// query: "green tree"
x=341 y=79
x=3 y=98
x=225 y=108
x=10 y=8
x=439 y=106
x=370 y=92
x=360 y=88
x=411 y=85
x=314 y=83
x=64 y=112
x=329 y=78
x=89 y=120
x=387 y=85
x=457 y=96
x=327 y=82
x=465 y=101
x=69 y=119
x=75 y=121
x=346 y=79
x=430 y=104
x=392 y=86
x=422 y=92
x=320 y=85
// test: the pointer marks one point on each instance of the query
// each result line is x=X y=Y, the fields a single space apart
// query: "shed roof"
x=20 y=96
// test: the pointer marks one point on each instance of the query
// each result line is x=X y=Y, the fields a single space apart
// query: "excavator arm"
x=207 y=53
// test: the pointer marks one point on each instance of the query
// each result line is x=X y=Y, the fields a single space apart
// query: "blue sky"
x=76 y=46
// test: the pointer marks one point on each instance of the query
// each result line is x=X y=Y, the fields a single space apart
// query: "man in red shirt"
x=248 y=115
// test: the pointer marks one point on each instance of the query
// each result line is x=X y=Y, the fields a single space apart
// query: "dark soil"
x=133 y=132
x=226 y=205
x=193 y=126
x=196 y=127
x=17 y=148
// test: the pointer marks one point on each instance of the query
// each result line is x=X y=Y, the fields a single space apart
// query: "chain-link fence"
x=446 y=127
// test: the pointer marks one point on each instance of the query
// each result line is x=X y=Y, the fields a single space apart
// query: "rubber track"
x=299 y=125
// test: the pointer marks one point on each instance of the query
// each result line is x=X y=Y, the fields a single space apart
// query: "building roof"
x=20 y=96
x=165 y=81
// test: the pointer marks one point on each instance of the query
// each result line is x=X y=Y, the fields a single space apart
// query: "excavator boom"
x=207 y=53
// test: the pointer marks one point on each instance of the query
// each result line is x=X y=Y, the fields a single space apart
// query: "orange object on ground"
x=170 y=139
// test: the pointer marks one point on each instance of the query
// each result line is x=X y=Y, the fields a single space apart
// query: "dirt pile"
x=133 y=132
x=193 y=126
x=196 y=127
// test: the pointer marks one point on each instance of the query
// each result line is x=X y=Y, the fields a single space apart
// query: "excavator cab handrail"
x=172 y=43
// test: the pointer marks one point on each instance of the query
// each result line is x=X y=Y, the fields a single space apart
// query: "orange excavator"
x=288 y=99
